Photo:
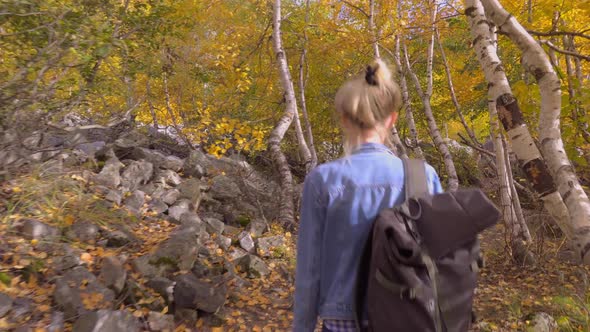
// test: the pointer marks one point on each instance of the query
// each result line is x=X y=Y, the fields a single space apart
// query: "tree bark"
x=453 y=181
x=578 y=112
x=150 y=104
x=452 y=90
x=536 y=62
x=373 y=29
x=286 y=209
x=406 y=100
x=511 y=117
x=302 y=80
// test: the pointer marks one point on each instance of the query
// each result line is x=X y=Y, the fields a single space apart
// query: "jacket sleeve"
x=433 y=181
x=307 y=274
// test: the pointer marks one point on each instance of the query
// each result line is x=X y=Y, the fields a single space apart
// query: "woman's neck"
x=371 y=136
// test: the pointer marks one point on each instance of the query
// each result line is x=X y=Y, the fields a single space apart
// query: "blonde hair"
x=366 y=101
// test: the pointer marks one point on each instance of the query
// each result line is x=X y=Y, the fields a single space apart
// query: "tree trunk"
x=286 y=209
x=150 y=104
x=578 y=112
x=302 y=80
x=524 y=229
x=511 y=117
x=452 y=90
x=536 y=62
x=432 y=126
x=373 y=30
x=406 y=100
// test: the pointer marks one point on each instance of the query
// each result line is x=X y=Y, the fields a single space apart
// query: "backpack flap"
x=450 y=220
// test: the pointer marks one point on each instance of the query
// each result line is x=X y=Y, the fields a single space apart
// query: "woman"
x=343 y=197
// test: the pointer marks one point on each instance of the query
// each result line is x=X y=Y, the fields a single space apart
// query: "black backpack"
x=419 y=268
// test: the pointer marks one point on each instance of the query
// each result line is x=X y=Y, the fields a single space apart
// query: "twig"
x=562 y=51
x=558 y=33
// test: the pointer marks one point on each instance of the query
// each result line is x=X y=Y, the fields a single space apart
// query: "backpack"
x=419 y=268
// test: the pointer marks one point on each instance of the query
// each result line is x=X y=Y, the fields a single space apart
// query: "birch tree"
x=425 y=96
x=286 y=209
x=511 y=117
x=535 y=61
x=302 y=80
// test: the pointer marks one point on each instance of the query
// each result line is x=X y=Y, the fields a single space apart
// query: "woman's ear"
x=391 y=120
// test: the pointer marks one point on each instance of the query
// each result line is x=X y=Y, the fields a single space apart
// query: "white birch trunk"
x=536 y=62
x=302 y=79
x=286 y=209
x=453 y=181
x=372 y=28
x=522 y=143
x=524 y=229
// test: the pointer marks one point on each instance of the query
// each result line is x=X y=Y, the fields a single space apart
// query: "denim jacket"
x=340 y=201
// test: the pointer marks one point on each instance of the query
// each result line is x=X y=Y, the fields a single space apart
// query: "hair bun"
x=370 y=74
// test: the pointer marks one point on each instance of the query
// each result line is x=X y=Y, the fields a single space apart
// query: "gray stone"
x=134 y=202
x=168 y=177
x=173 y=163
x=113 y=274
x=257 y=228
x=158 y=159
x=255 y=267
x=180 y=250
x=266 y=245
x=193 y=293
x=21 y=308
x=118 y=239
x=90 y=149
x=196 y=164
x=162 y=286
x=75 y=285
x=178 y=209
x=543 y=322
x=158 y=206
x=170 y=196
x=107 y=321
x=34 y=229
x=83 y=231
x=57 y=322
x=160 y=322
x=110 y=175
x=190 y=218
x=68 y=258
x=186 y=316
x=232 y=231
x=191 y=190
x=224 y=242
x=5 y=304
x=246 y=241
x=236 y=254
x=137 y=173
x=224 y=188
x=214 y=226
x=147 y=266
x=114 y=196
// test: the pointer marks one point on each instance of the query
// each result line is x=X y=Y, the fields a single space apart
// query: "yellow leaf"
x=86 y=258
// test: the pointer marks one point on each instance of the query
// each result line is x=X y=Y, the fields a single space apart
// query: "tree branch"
x=558 y=33
x=562 y=51
x=357 y=8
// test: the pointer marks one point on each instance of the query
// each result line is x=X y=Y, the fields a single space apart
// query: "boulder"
x=180 y=251
x=543 y=322
x=134 y=202
x=138 y=172
x=91 y=148
x=66 y=258
x=110 y=176
x=148 y=267
x=254 y=266
x=178 y=209
x=266 y=245
x=57 y=322
x=246 y=241
x=114 y=196
x=83 y=231
x=224 y=188
x=236 y=254
x=78 y=291
x=170 y=196
x=113 y=274
x=35 y=229
x=157 y=206
x=5 y=304
x=196 y=164
x=192 y=293
x=257 y=228
x=166 y=176
x=107 y=321
x=224 y=242
x=190 y=218
x=214 y=226
x=21 y=308
x=160 y=322
x=157 y=158
x=162 y=286
x=118 y=238
x=191 y=189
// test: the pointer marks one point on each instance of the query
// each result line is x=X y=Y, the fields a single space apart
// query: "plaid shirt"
x=342 y=325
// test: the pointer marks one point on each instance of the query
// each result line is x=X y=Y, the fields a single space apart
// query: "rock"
x=135 y=201
x=34 y=229
x=173 y=163
x=255 y=267
x=110 y=176
x=147 y=266
x=57 y=322
x=138 y=172
x=157 y=206
x=5 y=304
x=76 y=286
x=114 y=196
x=246 y=241
x=90 y=149
x=214 y=226
x=169 y=177
x=190 y=218
x=162 y=286
x=158 y=159
x=236 y=253
x=113 y=274
x=192 y=293
x=224 y=242
x=191 y=189
x=266 y=245
x=83 y=231
x=196 y=164
x=543 y=322
x=186 y=316
x=68 y=259
x=160 y=322
x=170 y=196
x=21 y=307
x=180 y=251
x=224 y=188
x=107 y=321
x=118 y=239
x=232 y=231
x=178 y=209
x=257 y=228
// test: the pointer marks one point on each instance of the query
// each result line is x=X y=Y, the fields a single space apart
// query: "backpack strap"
x=415 y=181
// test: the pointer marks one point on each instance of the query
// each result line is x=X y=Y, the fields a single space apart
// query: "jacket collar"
x=372 y=147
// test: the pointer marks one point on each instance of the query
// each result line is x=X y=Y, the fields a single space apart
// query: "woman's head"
x=368 y=105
